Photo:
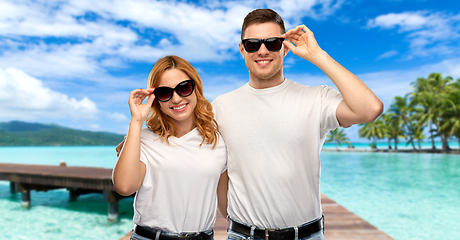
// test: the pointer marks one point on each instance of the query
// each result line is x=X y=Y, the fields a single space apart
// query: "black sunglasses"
x=183 y=89
x=273 y=44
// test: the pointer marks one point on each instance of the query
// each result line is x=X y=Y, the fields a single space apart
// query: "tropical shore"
x=382 y=147
x=423 y=150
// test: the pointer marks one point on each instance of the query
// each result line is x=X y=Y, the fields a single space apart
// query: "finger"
x=294 y=35
x=295 y=40
x=305 y=28
x=135 y=93
x=298 y=30
x=289 y=45
x=140 y=93
x=150 y=99
x=306 y=32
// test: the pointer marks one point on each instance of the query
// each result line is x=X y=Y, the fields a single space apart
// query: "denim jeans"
x=135 y=236
x=231 y=235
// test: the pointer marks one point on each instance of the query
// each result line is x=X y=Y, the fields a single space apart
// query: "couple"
x=268 y=169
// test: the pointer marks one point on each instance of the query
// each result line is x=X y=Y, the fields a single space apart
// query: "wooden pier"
x=78 y=180
x=340 y=224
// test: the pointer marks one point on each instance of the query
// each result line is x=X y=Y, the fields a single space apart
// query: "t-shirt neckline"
x=269 y=90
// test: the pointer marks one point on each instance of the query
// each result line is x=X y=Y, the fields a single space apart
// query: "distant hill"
x=16 y=133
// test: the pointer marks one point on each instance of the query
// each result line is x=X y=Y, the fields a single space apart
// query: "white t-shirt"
x=178 y=193
x=274 y=138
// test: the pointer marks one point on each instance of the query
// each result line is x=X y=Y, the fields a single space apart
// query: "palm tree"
x=416 y=134
x=393 y=129
x=440 y=89
x=401 y=111
x=451 y=115
x=428 y=116
x=386 y=119
x=374 y=130
x=337 y=136
x=429 y=94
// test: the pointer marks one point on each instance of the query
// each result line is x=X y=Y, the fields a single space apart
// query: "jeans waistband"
x=159 y=235
x=301 y=231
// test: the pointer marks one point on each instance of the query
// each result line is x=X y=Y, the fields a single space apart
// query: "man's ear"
x=240 y=45
x=286 y=50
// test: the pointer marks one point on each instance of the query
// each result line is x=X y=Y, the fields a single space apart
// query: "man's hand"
x=302 y=43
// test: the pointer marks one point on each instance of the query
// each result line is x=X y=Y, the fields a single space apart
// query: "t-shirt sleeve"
x=330 y=100
x=215 y=106
x=143 y=155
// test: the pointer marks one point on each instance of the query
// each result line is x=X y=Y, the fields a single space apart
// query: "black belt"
x=150 y=233
x=277 y=234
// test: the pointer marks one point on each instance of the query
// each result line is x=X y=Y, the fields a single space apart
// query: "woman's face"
x=180 y=109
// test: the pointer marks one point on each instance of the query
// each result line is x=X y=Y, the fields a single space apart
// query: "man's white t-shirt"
x=274 y=138
x=178 y=193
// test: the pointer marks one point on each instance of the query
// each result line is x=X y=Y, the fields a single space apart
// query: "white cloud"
x=118 y=117
x=24 y=97
x=57 y=39
x=406 y=21
x=388 y=54
x=428 y=33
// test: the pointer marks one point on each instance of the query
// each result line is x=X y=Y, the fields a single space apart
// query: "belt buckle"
x=266 y=234
x=186 y=235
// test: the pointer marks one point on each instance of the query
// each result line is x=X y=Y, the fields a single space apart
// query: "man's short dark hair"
x=262 y=16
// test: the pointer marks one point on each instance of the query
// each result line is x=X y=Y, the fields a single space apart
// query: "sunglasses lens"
x=252 y=45
x=185 y=88
x=163 y=93
x=274 y=44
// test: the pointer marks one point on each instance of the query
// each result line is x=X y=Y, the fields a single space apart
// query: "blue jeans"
x=231 y=235
x=135 y=236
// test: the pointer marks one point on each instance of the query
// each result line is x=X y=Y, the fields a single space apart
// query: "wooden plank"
x=57 y=171
x=340 y=224
x=57 y=176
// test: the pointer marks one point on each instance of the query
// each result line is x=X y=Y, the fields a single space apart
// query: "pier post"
x=113 y=211
x=73 y=194
x=111 y=198
x=25 y=203
x=13 y=187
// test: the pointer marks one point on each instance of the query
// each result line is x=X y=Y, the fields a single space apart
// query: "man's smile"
x=263 y=61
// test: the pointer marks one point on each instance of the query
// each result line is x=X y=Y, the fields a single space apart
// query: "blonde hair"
x=203 y=117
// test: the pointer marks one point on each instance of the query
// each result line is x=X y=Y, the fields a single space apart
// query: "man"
x=274 y=130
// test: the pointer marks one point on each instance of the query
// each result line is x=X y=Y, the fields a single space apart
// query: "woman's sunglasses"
x=183 y=89
x=273 y=44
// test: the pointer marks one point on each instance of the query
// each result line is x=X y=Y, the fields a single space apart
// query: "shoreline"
x=440 y=151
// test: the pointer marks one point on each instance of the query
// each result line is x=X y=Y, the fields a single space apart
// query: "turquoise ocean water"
x=406 y=195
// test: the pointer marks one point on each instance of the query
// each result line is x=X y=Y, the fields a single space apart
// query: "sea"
x=406 y=195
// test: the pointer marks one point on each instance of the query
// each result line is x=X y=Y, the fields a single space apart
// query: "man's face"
x=264 y=65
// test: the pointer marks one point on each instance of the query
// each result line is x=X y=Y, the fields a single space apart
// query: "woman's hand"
x=140 y=111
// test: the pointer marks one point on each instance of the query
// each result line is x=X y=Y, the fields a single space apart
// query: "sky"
x=74 y=62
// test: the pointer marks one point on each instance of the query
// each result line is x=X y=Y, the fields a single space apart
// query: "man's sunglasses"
x=183 y=89
x=273 y=44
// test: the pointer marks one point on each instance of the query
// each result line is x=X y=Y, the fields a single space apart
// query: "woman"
x=177 y=164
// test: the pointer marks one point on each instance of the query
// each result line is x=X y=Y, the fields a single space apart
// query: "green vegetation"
x=17 y=133
x=337 y=136
x=434 y=103
x=372 y=130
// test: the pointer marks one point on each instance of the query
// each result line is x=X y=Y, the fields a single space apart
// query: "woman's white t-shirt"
x=178 y=193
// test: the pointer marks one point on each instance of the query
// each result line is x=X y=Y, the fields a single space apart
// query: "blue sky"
x=74 y=62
